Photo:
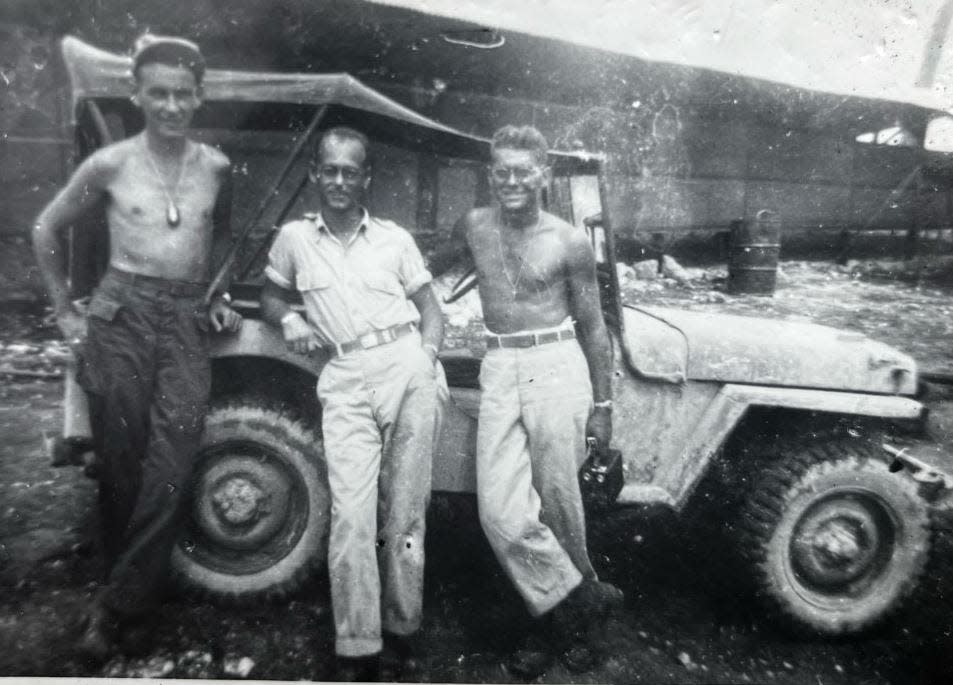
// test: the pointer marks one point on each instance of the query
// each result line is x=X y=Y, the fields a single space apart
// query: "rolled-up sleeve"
x=281 y=269
x=412 y=270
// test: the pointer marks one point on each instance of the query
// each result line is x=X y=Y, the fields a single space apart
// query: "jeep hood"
x=676 y=345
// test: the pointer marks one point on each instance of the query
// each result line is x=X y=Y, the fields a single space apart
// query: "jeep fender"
x=258 y=339
x=672 y=432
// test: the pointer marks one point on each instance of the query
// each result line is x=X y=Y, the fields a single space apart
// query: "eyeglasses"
x=502 y=174
x=329 y=172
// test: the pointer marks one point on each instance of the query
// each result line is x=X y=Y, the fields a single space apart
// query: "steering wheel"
x=464 y=284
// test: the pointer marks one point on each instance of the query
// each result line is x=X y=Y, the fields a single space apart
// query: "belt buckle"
x=535 y=339
x=368 y=341
x=387 y=335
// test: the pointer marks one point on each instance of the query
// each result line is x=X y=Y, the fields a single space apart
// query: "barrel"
x=753 y=260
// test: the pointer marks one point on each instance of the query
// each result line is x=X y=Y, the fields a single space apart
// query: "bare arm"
x=455 y=251
x=275 y=307
x=221 y=315
x=222 y=226
x=86 y=186
x=275 y=303
x=586 y=309
x=431 y=318
x=82 y=191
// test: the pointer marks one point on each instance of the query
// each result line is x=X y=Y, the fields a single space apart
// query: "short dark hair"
x=343 y=133
x=170 y=50
x=521 y=138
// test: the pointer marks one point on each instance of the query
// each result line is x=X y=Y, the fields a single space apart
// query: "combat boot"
x=137 y=636
x=535 y=654
x=362 y=669
x=401 y=658
x=95 y=643
x=577 y=617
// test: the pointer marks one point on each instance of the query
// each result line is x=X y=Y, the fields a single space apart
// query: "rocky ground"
x=677 y=628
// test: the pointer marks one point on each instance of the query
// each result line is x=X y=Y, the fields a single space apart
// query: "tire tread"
x=253 y=413
x=762 y=510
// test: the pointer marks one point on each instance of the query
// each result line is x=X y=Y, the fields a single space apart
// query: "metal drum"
x=755 y=248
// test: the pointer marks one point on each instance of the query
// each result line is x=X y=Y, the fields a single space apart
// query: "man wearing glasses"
x=537 y=284
x=369 y=304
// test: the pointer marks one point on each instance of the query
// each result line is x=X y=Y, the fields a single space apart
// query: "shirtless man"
x=143 y=345
x=537 y=278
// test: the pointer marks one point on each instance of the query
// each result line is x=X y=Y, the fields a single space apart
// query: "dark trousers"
x=145 y=368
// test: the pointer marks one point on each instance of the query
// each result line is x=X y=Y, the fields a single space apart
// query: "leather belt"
x=156 y=284
x=495 y=342
x=374 y=339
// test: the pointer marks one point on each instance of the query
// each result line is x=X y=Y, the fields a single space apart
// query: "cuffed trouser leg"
x=511 y=510
x=409 y=423
x=379 y=417
x=352 y=447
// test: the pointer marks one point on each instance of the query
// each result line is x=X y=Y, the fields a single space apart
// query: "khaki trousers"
x=379 y=423
x=530 y=445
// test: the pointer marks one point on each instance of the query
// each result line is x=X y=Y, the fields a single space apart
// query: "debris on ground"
x=781 y=277
x=41 y=360
x=157 y=666
x=685 y=660
x=237 y=666
x=679 y=630
x=646 y=270
x=672 y=269
x=195 y=664
x=624 y=272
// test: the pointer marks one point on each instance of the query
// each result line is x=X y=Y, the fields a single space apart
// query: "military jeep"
x=780 y=423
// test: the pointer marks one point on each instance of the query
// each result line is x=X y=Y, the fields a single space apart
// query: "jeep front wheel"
x=835 y=542
x=258 y=518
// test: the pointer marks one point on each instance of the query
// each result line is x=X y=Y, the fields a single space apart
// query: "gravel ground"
x=677 y=627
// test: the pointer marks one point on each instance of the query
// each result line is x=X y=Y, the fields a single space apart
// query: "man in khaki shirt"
x=369 y=303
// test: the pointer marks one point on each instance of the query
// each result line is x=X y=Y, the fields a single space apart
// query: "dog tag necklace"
x=514 y=283
x=172 y=215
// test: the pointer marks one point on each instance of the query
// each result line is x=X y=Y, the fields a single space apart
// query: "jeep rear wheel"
x=258 y=519
x=834 y=541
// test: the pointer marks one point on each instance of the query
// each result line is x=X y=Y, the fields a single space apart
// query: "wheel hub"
x=239 y=501
x=837 y=543
x=242 y=501
x=840 y=540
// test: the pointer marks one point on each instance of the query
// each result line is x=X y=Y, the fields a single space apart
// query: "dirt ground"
x=677 y=627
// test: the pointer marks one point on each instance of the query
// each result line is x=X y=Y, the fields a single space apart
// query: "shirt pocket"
x=309 y=281
x=384 y=283
x=383 y=299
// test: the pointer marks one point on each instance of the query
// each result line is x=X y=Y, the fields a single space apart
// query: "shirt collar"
x=366 y=228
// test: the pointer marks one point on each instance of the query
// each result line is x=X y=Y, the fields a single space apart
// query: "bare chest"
x=143 y=195
x=526 y=267
x=143 y=235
